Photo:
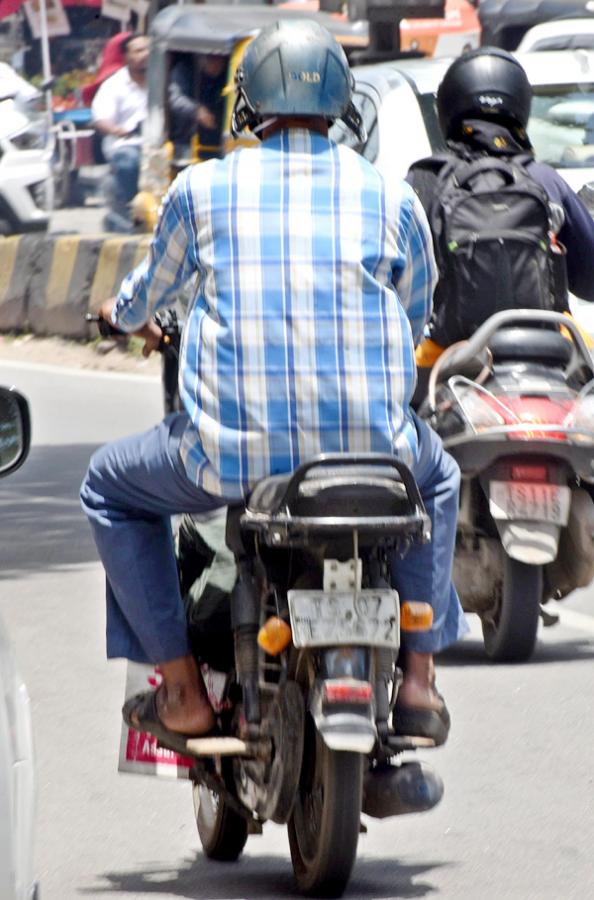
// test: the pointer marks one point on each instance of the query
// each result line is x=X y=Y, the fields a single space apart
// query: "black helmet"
x=294 y=67
x=487 y=83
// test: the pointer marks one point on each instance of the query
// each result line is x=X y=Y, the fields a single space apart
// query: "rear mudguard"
x=342 y=700
x=533 y=543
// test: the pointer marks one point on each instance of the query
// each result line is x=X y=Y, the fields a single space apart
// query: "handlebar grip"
x=106 y=329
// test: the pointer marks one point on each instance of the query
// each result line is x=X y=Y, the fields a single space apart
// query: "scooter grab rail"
x=499 y=320
x=465 y=352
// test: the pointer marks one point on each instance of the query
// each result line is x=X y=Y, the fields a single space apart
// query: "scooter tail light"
x=535 y=411
x=347 y=691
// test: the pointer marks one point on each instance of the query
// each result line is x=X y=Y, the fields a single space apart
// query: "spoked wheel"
x=510 y=635
x=324 y=825
x=222 y=831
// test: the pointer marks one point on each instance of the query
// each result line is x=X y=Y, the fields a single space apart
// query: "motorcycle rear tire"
x=324 y=832
x=222 y=831
x=512 y=637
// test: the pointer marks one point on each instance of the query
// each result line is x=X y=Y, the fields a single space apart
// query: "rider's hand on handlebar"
x=151 y=333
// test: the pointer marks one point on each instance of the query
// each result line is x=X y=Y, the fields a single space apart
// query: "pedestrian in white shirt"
x=119 y=109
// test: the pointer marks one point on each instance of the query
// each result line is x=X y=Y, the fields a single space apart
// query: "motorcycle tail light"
x=347 y=691
x=529 y=473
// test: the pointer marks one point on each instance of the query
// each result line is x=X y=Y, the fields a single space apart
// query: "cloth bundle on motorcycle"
x=207 y=573
x=494 y=243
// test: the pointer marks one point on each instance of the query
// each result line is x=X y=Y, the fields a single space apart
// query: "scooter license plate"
x=324 y=618
x=530 y=501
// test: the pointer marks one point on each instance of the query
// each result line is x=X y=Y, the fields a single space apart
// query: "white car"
x=397 y=101
x=26 y=150
x=17 y=775
x=561 y=34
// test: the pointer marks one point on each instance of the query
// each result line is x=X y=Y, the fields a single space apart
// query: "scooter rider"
x=314 y=278
x=483 y=103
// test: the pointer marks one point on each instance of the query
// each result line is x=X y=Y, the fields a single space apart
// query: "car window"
x=341 y=134
x=428 y=107
x=563 y=42
x=561 y=125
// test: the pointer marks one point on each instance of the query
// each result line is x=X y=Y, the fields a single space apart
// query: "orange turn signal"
x=416 y=616
x=274 y=636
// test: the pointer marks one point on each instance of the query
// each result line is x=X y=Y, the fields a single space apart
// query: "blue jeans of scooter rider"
x=134 y=485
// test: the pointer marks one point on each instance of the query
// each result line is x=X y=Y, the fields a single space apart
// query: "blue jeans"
x=121 y=187
x=134 y=485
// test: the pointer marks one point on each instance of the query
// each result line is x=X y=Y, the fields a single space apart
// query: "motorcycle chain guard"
x=268 y=788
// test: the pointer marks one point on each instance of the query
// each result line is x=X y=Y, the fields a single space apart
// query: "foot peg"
x=410 y=787
x=217 y=746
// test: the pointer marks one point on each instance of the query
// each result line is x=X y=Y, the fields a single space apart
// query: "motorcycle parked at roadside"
x=306 y=702
x=515 y=407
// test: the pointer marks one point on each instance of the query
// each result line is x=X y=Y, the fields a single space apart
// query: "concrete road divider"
x=117 y=257
x=48 y=282
x=59 y=289
x=17 y=262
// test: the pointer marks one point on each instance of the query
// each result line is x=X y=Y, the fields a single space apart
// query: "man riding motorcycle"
x=314 y=278
x=483 y=105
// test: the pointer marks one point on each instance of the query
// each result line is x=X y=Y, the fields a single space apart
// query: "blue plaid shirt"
x=314 y=282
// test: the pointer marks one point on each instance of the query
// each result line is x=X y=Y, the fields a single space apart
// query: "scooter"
x=307 y=727
x=515 y=407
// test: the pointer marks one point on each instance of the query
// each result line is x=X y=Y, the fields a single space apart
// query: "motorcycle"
x=515 y=407
x=305 y=705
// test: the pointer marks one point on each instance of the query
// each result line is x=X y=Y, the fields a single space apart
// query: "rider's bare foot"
x=418 y=687
x=182 y=702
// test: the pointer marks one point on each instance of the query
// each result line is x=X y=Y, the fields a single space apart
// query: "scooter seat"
x=531 y=345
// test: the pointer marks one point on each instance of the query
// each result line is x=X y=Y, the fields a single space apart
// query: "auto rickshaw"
x=195 y=51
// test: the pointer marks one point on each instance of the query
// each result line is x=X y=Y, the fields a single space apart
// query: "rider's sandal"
x=146 y=719
x=414 y=721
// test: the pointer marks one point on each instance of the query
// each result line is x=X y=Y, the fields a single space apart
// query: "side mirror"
x=15 y=430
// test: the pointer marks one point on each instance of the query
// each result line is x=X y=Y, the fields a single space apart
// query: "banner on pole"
x=57 y=21
x=117 y=9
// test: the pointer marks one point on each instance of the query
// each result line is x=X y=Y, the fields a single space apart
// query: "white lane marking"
x=84 y=373
x=573 y=619
x=570 y=618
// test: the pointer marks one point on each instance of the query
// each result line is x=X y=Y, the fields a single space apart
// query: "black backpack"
x=491 y=225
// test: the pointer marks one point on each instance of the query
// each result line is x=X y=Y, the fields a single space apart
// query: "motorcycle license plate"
x=323 y=618
x=529 y=501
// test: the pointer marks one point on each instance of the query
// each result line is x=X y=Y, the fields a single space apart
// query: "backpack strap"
x=423 y=175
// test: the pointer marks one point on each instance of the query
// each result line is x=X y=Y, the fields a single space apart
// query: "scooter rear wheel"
x=510 y=636
x=324 y=825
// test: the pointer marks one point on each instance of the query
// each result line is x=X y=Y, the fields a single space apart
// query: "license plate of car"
x=530 y=501
x=326 y=618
